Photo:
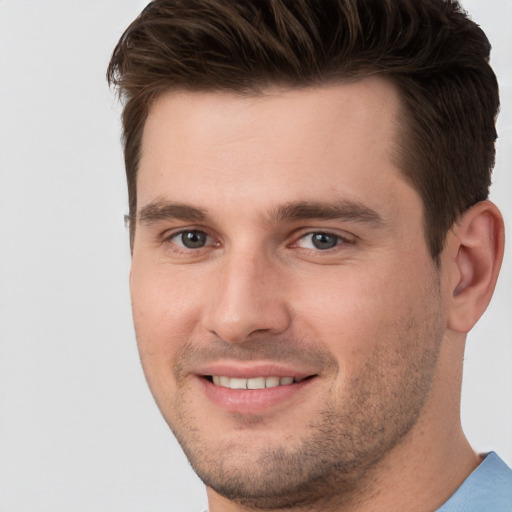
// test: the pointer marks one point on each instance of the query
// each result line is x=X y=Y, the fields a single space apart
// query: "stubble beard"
x=344 y=441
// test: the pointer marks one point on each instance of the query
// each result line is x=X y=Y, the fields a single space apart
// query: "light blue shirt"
x=487 y=489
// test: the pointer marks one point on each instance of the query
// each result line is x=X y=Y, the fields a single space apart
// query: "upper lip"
x=249 y=370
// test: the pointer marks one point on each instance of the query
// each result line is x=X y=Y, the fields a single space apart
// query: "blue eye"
x=319 y=241
x=191 y=239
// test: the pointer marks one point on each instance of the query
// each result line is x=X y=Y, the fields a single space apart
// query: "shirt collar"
x=487 y=488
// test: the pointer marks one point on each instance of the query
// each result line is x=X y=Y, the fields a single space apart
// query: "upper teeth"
x=254 y=383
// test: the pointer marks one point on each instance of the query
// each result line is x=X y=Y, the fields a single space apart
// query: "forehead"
x=227 y=117
x=290 y=143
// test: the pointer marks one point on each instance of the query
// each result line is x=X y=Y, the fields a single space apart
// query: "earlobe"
x=476 y=249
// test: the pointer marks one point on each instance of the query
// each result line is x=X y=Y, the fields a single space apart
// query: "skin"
x=377 y=327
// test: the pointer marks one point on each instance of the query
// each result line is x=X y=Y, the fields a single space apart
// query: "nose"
x=247 y=298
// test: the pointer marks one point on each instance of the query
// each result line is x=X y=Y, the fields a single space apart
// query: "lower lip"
x=252 y=401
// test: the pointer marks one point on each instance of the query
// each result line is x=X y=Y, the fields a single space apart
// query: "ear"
x=474 y=250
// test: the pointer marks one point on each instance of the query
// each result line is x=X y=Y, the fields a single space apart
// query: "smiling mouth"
x=255 y=382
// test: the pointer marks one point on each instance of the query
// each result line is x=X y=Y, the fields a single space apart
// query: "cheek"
x=165 y=311
x=163 y=323
x=354 y=310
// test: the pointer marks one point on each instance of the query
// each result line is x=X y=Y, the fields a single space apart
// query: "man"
x=311 y=242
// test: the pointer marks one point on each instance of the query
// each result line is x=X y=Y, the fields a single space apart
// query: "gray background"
x=78 y=428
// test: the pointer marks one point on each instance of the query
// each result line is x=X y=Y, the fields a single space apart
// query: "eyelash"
x=181 y=248
x=340 y=240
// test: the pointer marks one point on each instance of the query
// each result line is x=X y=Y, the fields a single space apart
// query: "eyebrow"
x=164 y=210
x=345 y=209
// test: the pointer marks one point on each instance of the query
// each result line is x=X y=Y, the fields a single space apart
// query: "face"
x=287 y=311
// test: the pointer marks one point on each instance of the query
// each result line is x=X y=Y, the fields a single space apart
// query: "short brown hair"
x=434 y=54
